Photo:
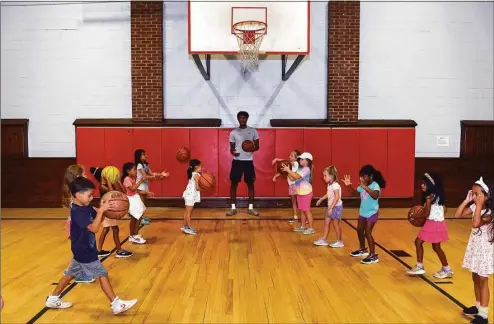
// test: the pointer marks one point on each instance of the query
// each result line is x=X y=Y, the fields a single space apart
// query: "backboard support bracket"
x=206 y=72
x=285 y=75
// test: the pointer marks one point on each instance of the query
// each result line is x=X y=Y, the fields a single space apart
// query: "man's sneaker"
x=119 y=306
x=252 y=212
x=417 y=270
x=309 y=231
x=370 y=259
x=337 y=244
x=84 y=279
x=479 y=320
x=190 y=230
x=299 y=229
x=443 y=273
x=123 y=254
x=360 y=253
x=293 y=220
x=145 y=220
x=231 y=212
x=137 y=239
x=103 y=253
x=56 y=302
x=471 y=311
x=321 y=242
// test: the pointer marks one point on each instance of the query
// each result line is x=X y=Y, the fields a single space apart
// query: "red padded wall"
x=318 y=143
x=373 y=149
x=90 y=145
x=204 y=146
x=173 y=139
x=286 y=141
x=264 y=186
x=149 y=139
x=401 y=162
x=345 y=155
x=118 y=146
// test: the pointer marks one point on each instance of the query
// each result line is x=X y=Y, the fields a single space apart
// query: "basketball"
x=207 y=181
x=111 y=173
x=416 y=216
x=279 y=166
x=183 y=154
x=121 y=204
x=248 y=146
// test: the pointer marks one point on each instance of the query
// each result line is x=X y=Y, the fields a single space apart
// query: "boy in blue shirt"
x=86 y=221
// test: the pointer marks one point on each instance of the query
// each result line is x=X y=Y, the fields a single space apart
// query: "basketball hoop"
x=249 y=37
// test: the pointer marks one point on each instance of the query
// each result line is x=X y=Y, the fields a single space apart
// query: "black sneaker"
x=103 y=253
x=471 y=311
x=359 y=253
x=370 y=259
x=479 y=320
x=123 y=254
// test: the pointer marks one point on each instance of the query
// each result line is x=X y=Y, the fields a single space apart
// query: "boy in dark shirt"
x=86 y=221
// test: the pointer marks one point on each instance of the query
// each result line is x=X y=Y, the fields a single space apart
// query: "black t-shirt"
x=83 y=241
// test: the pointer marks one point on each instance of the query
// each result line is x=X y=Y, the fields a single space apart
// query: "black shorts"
x=245 y=168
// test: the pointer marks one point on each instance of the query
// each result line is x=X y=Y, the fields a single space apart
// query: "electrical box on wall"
x=442 y=141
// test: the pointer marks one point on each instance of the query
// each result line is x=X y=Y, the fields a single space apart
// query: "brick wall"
x=343 y=66
x=147 y=60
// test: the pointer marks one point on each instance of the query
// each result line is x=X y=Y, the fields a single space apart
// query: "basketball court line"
x=71 y=286
x=212 y=218
x=427 y=280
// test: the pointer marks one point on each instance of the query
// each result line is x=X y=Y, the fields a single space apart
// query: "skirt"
x=136 y=206
x=434 y=232
x=479 y=255
x=303 y=202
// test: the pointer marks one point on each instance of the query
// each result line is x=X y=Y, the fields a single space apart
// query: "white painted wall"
x=63 y=62
x=431 y=62
x=261 y=93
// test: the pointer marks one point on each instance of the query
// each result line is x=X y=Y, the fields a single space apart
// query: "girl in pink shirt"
x=136 y=206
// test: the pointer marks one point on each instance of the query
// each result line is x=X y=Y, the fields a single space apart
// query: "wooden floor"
x=237 y=270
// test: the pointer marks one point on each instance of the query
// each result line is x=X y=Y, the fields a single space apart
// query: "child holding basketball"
x=371 y=182
x=144 y=172
x=334 y=211
x=479 y=255
x=136 y=206
x=85 y=222
x=292 y=190
x=435 y=230
x=104 y=187
x=191 y=194
x=303 y=180
x=72 y=172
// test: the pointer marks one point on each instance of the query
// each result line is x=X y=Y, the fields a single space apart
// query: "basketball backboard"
x=287 y=32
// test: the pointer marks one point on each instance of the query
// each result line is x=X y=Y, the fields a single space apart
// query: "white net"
x=249 y=37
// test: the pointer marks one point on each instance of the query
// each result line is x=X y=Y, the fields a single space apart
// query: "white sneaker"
x=442 y=274
x=183 y=228
x=119 y=306
x=137 y=239
x=293 y=220
x=56 y=302
x=309 y=231
x=190 y=231
x=321 y=242
x=416 y=271
x=337 y=244
x=299 y=229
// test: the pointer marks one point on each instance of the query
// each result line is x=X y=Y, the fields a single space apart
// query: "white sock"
x=420 y=264
x=233 y=206
x=295 y=217
x=477 y=304
x=483 y=312
x=251 y=206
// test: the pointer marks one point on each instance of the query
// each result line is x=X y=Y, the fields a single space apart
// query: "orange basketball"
x=183 y=154
x=280 y=164
x=416 y=216
x=248 y=146
x=121 y=207
x=207 y=181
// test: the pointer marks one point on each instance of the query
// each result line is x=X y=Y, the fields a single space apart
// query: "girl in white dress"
x=479 y=256
x=191 y=194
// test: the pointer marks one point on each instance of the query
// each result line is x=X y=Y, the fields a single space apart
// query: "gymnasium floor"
x=237 y=270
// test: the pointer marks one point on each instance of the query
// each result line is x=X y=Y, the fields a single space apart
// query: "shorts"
x=337 y=212
x=136 y=206
x=93 y=269
x=109 y=222
x=372 y=219
x=190 y=202
x=292 y=189
x=303 y=202
x=245 y=168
